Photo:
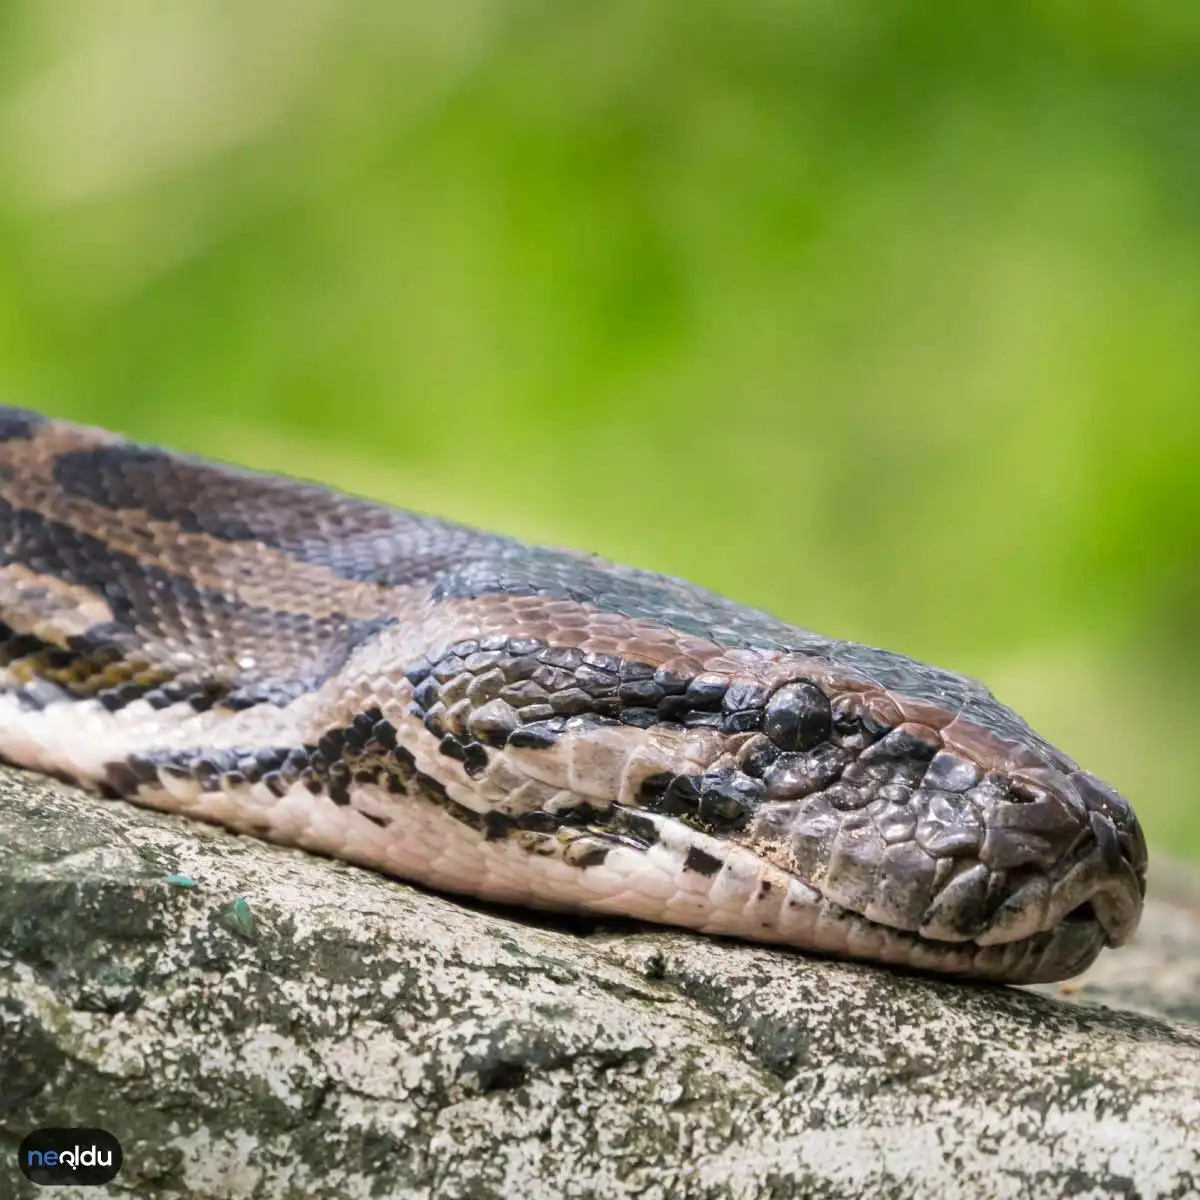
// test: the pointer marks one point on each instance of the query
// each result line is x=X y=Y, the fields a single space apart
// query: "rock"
x=254 y=1022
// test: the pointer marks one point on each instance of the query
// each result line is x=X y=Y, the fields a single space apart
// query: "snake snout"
x=1013 y=857
x=1065 y=852
x=1121 y=848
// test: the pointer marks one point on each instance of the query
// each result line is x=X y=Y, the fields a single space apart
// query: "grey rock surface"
x=254 y=1022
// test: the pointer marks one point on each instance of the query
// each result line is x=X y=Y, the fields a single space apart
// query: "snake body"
x=530 y=726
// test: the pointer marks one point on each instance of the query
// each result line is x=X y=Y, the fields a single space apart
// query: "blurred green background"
x=884 y=316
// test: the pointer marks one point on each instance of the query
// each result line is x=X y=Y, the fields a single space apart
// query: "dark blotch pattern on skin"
x=354 y=538
x=292 y=653
x=95 y=666
x=363 y=752
x=594 y=856
x=520 y=692
x=116 y=683
x=701 y=862
x=728 y=798
x=19 y=424
x=635 y=825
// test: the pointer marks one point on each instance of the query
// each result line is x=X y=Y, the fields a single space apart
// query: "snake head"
x=941 y=831
x=938 y=830
x=861 y=804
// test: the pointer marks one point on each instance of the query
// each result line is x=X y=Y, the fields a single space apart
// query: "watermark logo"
x=87 y=1157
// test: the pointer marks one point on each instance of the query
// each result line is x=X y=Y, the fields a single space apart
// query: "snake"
x=529 y=726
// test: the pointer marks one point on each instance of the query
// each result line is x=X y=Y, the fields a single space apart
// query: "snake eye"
x=798 y=717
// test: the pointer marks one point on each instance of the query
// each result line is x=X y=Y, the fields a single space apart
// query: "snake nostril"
x=1022 y=793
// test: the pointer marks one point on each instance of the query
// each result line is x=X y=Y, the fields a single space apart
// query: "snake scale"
x=530 y=726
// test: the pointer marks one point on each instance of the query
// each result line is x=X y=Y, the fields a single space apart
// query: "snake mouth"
x=1110 y=909
x=1032 y=928
x=1048 y=956
x=1024 y=945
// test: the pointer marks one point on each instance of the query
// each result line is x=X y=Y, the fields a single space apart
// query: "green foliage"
x=880 y=315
